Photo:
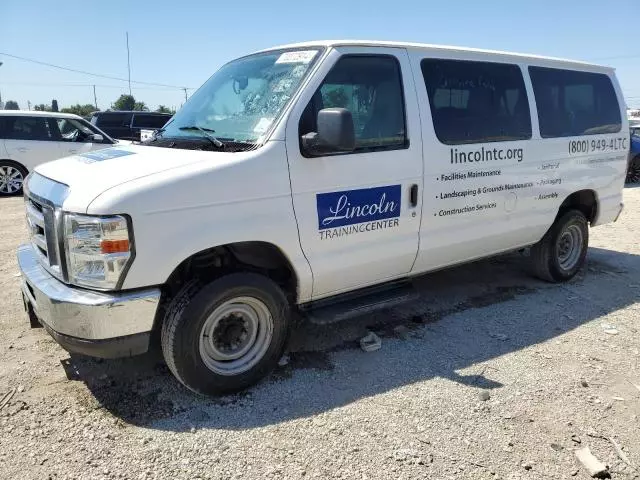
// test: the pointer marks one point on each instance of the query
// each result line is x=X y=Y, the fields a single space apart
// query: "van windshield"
x=241 y=101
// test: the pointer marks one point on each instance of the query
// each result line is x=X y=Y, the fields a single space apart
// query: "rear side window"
x=476 y=102
x=149 y=121
x=113 y=120
x=25 y=128
x=574 y=103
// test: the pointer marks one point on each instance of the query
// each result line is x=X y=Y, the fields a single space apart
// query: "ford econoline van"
x=318 y=180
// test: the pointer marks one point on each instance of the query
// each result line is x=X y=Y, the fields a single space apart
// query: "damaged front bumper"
x=99 y=324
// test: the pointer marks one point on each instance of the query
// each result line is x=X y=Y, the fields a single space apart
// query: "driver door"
x=359 y=212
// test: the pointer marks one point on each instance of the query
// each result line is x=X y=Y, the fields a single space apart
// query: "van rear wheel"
x=561 y=252
x=226 y=335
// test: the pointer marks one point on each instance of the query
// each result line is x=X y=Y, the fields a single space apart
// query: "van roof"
x=37 y=113
x=439 y=48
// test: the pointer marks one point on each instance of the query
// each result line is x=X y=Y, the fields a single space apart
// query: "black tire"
x=546 y=255
x=633 y=172
x=8 y=167
x=187 y=314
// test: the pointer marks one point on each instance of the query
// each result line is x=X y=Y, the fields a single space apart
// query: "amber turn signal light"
x=114 y=246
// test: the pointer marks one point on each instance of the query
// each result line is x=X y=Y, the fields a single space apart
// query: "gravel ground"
x=491 y=374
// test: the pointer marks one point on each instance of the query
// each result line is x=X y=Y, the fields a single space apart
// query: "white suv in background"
x=29 y=138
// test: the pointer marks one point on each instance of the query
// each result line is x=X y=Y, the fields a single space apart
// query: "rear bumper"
x=106 y=325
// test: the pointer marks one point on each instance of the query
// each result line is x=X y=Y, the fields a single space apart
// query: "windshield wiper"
x=204 y=132
x=159 y=131
x=157 y=134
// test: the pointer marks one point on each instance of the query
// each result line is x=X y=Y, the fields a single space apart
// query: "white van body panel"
x=89 y=176
x=184 y=201
x=544 y=177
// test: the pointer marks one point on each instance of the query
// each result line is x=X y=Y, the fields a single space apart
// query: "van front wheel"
x=561 y=252
x=226 y=335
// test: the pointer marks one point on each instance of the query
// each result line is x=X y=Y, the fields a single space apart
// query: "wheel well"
x=583 y=200
x=13 y=162
x=259 y=257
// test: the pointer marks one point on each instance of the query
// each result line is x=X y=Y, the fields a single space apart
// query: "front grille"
x=41 y=224
x=43 y=201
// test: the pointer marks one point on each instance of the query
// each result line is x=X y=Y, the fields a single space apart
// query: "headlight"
x=98 y=250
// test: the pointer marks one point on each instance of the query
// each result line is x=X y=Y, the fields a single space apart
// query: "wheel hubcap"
x=236 y=335
x=10 y=179
x=569 y=247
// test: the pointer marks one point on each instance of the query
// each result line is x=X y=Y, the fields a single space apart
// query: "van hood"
x=89 y=174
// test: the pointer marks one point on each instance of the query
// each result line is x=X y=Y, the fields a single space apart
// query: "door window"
x=114 y=119
x=25 y=128
x=71 y=130
x=370 y=87
x=149 y=121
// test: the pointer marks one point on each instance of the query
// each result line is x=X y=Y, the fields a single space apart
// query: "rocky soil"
x=490 y=375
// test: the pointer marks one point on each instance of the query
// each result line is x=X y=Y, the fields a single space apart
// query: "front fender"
x=179 y=213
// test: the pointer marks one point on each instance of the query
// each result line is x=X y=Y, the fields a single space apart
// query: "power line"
x=39 y=84
x=110 y=77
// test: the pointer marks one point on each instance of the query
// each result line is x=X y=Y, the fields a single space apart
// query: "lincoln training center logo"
x=358 y=211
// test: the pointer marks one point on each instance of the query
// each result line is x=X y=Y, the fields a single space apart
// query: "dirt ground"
x=491 y=374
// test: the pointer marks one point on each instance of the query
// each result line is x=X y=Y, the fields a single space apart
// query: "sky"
x=183 y=43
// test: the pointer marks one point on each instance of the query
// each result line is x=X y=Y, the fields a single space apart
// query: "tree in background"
x=124 y=102
x=82 y=110
x=54 y=105
x=42 y=108
x=11 y=105
x=141 y=107
x=163 y=109
x=128 y=102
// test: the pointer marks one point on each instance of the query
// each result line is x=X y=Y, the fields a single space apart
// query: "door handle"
x=23 y=149
x=73 y=150
x=413 y=195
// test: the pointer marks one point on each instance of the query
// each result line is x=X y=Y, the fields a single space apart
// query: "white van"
x=30 y=138
x=318 y=179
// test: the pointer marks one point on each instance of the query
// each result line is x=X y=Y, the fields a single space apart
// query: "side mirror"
x=96 y=138
x=335 y=134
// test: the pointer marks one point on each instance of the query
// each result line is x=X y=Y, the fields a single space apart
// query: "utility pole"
x=185 y=93
x=95 y=99
x=128 y=63
x=28 y=105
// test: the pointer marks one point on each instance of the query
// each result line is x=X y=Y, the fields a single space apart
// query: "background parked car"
x=30 y=138
x=126 y=125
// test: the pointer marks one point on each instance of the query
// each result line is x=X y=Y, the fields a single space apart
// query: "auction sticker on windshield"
x=301 y=56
